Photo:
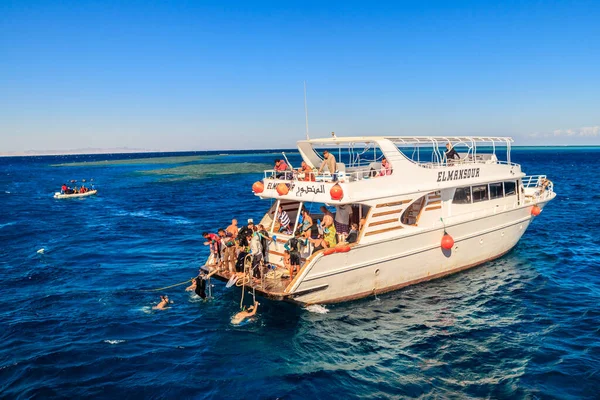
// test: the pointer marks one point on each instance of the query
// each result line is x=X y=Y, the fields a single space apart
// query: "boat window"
x=510 y=188
x=413 y=212
x=480 y=193
x=496 y=190
x=462 y=195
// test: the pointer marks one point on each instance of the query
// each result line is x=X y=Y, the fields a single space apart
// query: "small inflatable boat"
x=59 y=195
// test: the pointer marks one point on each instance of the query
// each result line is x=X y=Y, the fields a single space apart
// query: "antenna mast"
x=306 y=111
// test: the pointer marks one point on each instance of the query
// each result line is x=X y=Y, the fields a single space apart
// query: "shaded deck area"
x=271 y=286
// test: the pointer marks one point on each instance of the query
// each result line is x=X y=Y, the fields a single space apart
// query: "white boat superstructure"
x=483 y=203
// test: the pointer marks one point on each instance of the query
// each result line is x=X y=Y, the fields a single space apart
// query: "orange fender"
x=342 y=249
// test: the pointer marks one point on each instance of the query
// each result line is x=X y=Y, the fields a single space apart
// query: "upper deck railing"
x=342 y=175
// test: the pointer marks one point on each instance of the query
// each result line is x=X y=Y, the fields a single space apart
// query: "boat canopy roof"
x=408 y=140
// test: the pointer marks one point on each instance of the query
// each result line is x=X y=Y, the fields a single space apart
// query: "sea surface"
x=77 y=279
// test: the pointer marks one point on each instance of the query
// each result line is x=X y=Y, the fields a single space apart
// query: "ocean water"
x=77 y=318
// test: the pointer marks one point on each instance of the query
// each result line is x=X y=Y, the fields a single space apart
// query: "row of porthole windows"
x=490 y=191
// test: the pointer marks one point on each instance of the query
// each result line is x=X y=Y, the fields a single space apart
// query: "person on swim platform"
x=242 y=315
x=213 y=241
x=293 y=245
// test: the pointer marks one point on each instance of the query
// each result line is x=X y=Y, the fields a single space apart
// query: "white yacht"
x=424 y=217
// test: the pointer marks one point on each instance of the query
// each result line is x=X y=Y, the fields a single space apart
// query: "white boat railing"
x=355 y=174
x=537 y=187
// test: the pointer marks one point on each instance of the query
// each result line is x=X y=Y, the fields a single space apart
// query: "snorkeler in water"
x=242 y=315
x=164 y=302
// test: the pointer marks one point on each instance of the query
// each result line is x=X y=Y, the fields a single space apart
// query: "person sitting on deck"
x=319 y=243
x=353 y=235
x=284 y=221
x=82 y=189
x=242 y=315
x=451 y=154
x=386 y=167
x=306 y=173
x=280 y=168
x=63 y=188
x=329 y=161
x=213 y=241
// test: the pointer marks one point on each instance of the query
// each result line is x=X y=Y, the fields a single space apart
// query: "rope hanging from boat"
x=167 y=287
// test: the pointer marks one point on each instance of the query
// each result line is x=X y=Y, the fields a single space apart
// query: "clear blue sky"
x=191 y=75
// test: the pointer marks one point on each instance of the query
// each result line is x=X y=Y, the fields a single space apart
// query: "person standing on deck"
x=293 y=246
x=342 y=220
x=329 y=161
x=233 y=228
x=309 y=229
x=213 y=242
x=228 y=248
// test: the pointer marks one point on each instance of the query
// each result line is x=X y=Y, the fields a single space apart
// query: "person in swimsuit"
x=164 y=302
x=319 y=243
x=309 y=229
x=242 y=315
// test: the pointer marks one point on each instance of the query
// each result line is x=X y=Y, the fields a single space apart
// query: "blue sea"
x=77 y=279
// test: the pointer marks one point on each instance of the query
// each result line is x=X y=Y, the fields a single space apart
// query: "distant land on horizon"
x=75 y=152
x=127 y=150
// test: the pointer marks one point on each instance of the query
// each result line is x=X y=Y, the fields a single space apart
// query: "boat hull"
x=59 y=195
x=390 y=265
